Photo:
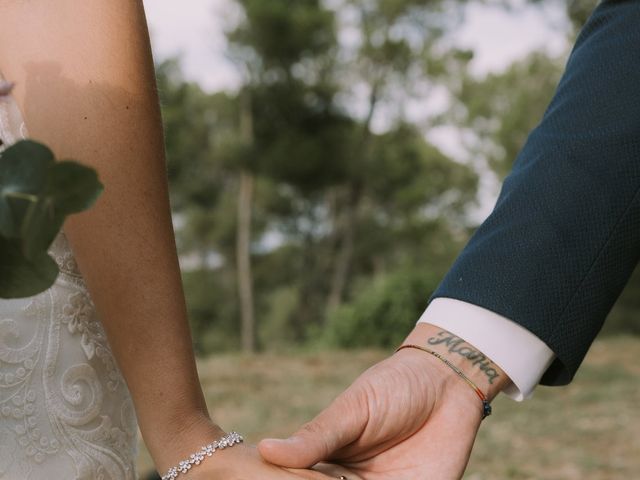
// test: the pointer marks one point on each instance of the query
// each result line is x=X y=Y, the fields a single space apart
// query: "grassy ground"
x=588 y=430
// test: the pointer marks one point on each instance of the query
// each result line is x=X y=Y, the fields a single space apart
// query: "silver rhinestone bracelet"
x=229 y=440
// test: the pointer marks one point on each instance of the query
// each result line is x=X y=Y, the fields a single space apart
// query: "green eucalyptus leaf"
x=36 y=195
x=70 y=188
x=23 y=277
x=73 y=186
x=24 y=168
x=40 y=227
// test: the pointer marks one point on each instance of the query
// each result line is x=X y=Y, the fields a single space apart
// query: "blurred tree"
x=579 y=11
x=284 y=117
x=382 y=312
x=188 y=122
x=200 y=136
x=313 y=190
x=322 y=178
x=343 y=200
x=395 y=61
x=497 y=112
x=243 y=233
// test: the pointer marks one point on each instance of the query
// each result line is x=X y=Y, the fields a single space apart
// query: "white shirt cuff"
x=517 y=351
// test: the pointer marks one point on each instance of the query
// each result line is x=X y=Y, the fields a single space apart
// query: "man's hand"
x=410 y=417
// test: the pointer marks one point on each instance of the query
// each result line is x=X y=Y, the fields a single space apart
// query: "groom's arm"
x=564 y=236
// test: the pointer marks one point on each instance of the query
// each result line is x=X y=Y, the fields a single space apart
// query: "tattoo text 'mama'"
x=458 y=346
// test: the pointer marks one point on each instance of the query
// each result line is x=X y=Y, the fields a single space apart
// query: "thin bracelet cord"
x=485 y=403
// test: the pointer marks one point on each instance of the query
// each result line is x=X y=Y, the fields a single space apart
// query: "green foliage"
x=501 y=109
x=275 y=330
x=300 y=139
x=407 y=173
x=579 y=11
x=337 y=203
x=21 y=276
x=383 y=312
x=344 y=202
x=36 y=195
x=212 y=312
x=278 y=33
x=196 y=125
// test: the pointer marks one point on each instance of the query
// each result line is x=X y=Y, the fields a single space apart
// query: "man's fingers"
x=335 y=427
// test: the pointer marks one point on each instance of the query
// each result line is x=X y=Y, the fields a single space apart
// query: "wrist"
x=476 y=366
x=195 y=432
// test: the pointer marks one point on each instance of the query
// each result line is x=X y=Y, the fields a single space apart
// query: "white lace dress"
x=65 y=410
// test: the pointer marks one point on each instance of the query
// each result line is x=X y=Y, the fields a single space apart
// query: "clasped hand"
x=408 y=417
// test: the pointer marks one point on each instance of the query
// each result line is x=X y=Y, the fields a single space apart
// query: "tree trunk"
x=243 y=258
x=243 y=237
x=345 y=252
x=347 y=229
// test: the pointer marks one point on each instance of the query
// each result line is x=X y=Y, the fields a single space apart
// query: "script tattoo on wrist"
x=458 y=346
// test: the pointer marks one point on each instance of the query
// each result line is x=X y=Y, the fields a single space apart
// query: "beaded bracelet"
x=184 y=466
x=486 y=406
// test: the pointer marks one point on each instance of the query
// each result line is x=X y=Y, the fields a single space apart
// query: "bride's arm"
x=85 y=84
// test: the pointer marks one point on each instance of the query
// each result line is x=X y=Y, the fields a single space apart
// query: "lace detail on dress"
x=65 y=410
x=63 y=255
x=12 y=127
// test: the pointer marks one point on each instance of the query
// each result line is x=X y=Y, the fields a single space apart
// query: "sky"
x=196 y=29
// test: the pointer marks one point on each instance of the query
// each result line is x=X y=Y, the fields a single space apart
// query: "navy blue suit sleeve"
x=564 y=235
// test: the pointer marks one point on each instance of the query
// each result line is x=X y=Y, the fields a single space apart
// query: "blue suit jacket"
x=564 y=236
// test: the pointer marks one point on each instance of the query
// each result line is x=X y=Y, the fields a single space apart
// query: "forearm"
x=90 y=95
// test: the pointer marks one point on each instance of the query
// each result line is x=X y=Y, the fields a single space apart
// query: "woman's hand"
x=410 y=417
x=240 y=462
x=243 y=462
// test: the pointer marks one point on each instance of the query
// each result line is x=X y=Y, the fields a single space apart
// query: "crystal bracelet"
x=184 y=466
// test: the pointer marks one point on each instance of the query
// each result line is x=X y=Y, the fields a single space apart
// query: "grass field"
x=589 y=430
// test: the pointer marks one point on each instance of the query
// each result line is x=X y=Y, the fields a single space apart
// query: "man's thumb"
x=316 y=441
